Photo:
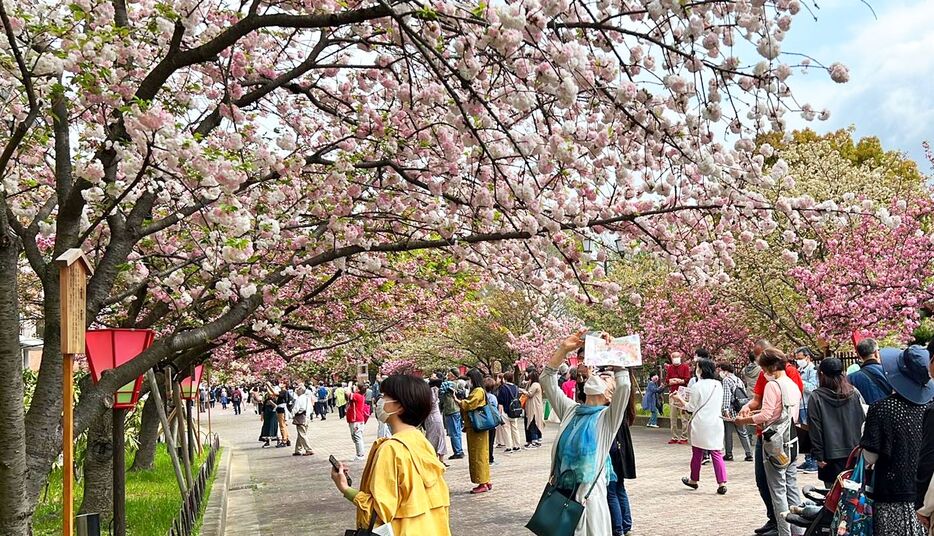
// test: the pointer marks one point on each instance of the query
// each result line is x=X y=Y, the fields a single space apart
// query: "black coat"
x=622 y=455
x=834 y=424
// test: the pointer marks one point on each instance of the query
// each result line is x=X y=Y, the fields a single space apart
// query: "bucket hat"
x=907 y=372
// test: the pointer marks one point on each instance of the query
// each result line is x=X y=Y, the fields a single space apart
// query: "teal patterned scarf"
x=577 y=457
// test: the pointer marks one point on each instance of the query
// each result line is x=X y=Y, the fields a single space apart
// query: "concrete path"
x=273 y=493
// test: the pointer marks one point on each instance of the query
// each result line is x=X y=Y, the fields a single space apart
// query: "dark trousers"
x=236 y=405
x=532 y=433
x=341 y=411
x=491 y=435
x=620 y=513
x=762 y=483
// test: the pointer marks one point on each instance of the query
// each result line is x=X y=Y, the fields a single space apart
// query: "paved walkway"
x=275 y=493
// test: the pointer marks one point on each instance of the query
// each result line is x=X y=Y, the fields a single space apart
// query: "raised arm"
x=621 y=395
x=553 y=393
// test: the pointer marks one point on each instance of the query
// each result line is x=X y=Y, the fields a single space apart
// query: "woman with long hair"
x=835 y=420
x=580 y=460
x=478 y=443
x=534 y=411
x=403 y=480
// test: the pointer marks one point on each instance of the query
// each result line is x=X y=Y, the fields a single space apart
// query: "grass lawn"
x=152 y=500
x=666 y=411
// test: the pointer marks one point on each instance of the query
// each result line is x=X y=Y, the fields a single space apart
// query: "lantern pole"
x=119 y=473
x=68 y=445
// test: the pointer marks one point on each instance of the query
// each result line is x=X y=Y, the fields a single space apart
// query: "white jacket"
x=706 y=402
x=301 y=404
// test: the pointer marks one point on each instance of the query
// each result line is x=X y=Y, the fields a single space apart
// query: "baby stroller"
x=816 y=513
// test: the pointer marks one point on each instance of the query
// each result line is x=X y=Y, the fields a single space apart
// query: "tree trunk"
x=14 y=508
x=148 y=435
x=98 y=468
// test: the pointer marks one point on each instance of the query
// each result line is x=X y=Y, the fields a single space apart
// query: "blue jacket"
x=650 y=398
x=873 y=388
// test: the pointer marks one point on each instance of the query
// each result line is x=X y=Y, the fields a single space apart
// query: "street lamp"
x=189 y=390
x=108 y=349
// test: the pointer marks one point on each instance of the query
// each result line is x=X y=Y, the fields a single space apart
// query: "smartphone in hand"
x=337 y=467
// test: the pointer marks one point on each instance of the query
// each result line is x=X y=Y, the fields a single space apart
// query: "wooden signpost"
x=74 y=270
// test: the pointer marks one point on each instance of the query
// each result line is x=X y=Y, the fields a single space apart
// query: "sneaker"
x=764 y=529
x=493 y=463
x=456 y=456
x=706 y=461
x=360 y=458
x=728 y=458
x=810 y=469
x=682 y=441
x=672 y=441
x=652 y=425
x=296 y=454
x=748 y=458
x=482 y=488
x=536 y=445
x=721 y=490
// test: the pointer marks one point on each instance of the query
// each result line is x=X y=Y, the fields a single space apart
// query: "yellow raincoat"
x=403 y=482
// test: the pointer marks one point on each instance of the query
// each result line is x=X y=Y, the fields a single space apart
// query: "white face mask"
x=722 y=374
x=381 y=414
x=676 y=361
x=802 y=363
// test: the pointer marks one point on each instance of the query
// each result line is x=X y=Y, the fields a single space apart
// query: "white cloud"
x=891 y=62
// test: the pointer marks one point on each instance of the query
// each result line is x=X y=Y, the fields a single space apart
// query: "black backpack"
x=514 y=411
x=740 y=398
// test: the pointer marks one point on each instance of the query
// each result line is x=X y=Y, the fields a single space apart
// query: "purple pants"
x=716 y=457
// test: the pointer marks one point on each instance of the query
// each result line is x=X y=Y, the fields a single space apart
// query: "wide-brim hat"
x=907 y=372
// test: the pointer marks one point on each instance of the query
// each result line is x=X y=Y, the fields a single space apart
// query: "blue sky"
x=891 y=60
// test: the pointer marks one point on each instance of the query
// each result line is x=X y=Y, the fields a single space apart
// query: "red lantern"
x=108 y=349
x=857 y=336
x=191 y=383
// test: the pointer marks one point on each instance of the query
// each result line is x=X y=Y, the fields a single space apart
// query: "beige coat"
x=927 y=509
x=535 y=406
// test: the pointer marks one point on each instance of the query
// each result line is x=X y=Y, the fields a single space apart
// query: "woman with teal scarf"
x=580 y=456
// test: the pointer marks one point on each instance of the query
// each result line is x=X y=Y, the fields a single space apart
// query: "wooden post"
x=119 y=473
x=169 y=438
x=74 y=270
x=208 y=374
x=182 y=436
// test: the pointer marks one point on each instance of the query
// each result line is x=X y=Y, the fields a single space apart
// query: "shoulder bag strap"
x=594 y=483
x=875 y=379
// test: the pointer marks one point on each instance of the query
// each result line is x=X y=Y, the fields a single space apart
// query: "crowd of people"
x=792 y=413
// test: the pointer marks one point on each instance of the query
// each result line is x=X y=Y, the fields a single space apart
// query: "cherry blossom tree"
x=209 y=155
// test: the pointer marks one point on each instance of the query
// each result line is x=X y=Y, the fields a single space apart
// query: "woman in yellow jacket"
x=478 y=445
x=403 y=481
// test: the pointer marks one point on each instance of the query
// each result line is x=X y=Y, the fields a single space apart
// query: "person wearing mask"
x=300 y=420
x=731 y=383
x=357 y=413
x=270 y=429
x=781 y=400
x=924 y=496
x=510 y=411
x=403 y=480
x=623 y=459
x=762 y=483
x=651 y=400
x=534 y=411
x=704 y=402
x=478 y=443
x=434 y=424
x=804 y=359
x=580 y=456
x=835 y=420
x=450 y=412
x=677 y=375
x=870 y=380
x=563 y=373
x=340 y=399
x=892 y=439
